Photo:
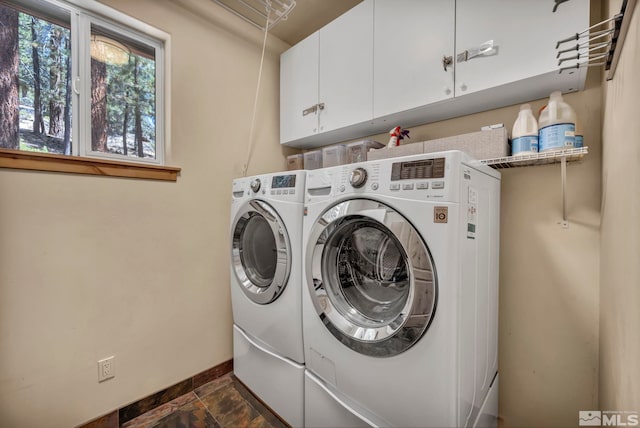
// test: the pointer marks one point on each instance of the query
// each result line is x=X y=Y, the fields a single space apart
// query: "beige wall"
x=96 y=266
x=620 y=249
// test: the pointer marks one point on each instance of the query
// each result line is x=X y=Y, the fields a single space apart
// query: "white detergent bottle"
x=524 y=137
x=557 y=125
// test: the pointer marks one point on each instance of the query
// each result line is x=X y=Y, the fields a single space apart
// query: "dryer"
x=266 y=289
x=400 y=303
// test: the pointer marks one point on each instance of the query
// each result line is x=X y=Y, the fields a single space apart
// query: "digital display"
x=283 y=181
x=421 y=169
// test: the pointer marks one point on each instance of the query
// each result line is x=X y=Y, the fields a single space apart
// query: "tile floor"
x=222 y=403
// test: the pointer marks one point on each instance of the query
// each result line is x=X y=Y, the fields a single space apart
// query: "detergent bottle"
x=557 y=125
x=524 y=137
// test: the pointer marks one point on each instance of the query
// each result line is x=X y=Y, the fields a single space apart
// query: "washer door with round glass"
x=260 y=252
x=371 y=277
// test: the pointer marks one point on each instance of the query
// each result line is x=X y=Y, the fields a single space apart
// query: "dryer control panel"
x=285 y=186
x=287 y=181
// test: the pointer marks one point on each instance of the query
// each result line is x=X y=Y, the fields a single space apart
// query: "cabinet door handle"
x=485 y=49
x=312 y=109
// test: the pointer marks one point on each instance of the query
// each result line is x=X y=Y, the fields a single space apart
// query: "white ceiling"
x=308 y=16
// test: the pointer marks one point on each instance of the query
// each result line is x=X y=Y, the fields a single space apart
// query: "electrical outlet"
x=106 y=368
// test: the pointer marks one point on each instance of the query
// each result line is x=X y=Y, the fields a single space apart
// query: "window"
x=81 y=81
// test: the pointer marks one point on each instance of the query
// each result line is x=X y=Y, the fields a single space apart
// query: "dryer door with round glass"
x=260 y=252
x=371 y=277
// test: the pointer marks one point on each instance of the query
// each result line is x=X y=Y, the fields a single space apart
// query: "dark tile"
x=213 y=373
x=208 y=388
x=152 y=417
x=269 y=415
x=233 y=405
x=143 y=406
x=259 y=422
x=240 y=417
x=229 y=407
x=107 y=421
x=192 y=415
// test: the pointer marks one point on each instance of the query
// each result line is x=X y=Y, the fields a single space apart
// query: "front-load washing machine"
x=266 y=289
x=400 y=305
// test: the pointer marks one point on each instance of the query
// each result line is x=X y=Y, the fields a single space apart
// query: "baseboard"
x=131 y=411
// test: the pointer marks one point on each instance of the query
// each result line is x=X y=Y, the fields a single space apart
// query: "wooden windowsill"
x=81 y=165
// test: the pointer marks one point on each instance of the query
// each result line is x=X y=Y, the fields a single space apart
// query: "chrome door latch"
x=313 y=109
x=447 y=61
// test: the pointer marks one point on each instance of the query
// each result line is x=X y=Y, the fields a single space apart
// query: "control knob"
x=358 y=177
x=255 y=185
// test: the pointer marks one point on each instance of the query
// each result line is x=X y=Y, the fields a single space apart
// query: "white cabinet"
x=346 y=76
x=411 y=40
x=299 y=90
x=326 y=80
x=381 y=65
x=524 y=34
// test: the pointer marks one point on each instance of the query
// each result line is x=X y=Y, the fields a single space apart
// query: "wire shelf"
x=571 y=155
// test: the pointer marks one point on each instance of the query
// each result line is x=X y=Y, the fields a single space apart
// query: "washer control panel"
x=358 y=177
x=421 y=177
x=418 y=169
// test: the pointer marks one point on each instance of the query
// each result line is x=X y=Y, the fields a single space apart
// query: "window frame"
x=84 y=13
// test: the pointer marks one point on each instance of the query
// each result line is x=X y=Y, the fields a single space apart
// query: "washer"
x=400 y=305
x=266 y=289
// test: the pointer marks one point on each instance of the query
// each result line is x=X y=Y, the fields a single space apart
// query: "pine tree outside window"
x=80 y=79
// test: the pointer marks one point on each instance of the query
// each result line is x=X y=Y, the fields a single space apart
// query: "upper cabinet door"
x=411 y=40
x=346 y=74
x=524 y=35
x=299 y=90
